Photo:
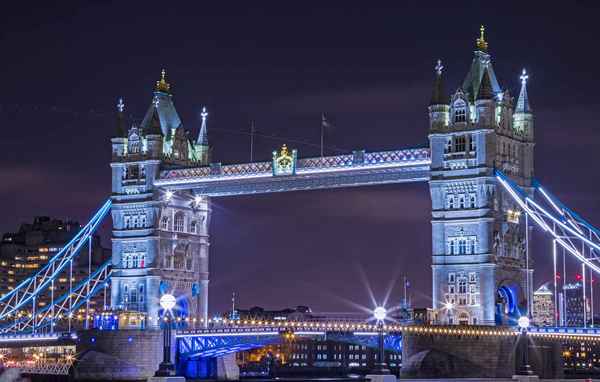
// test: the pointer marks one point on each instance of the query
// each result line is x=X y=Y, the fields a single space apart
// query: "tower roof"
x=485 y=87
x=481 y=63
x=203 y=134
x=439 y=96
x=162 y=104
x=523 y=101
x=153 y=127
x=543 y=290
x=121 y=123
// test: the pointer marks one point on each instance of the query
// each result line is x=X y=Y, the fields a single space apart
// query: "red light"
x=558 y=276
x=578 y=277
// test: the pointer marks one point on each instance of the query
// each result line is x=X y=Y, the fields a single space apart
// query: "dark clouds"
x=282 y=64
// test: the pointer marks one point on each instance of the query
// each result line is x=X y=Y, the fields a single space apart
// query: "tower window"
x=472 y=143
x=459 y=143
x=450 y=201
x=461 y=201
x=164 y=223
x=179 y=222
x=460 y=111
x=472 y=201
x=194 y=227
x=448 y=147
x=451 y=278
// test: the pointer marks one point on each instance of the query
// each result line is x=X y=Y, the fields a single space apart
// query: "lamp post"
x=525 y=368
x=166 y=368
x=380 y=314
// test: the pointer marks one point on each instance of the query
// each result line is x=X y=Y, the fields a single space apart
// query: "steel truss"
x=26 y=294
x=43 y=367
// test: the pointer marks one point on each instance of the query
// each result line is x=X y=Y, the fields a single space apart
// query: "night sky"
x=369 y=68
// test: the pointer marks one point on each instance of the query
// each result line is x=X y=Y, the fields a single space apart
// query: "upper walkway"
x=357 y=169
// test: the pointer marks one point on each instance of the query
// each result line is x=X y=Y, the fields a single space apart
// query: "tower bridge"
x=479 y=167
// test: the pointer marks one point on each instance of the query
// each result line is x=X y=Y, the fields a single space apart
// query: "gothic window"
x=451 y=278
x=164 y=223
x=178 y=225
x=460 y=111
x=451 y=289
x=133 y=296
x=462 y=285
x=459 y=143
x=472 y=246
x=461 y=201
x=472 y=201
x=472 y=144
x=194 y=227
x=472 y=277
x=188 y=263
x=133 y=172
x=450 y=201
x=129 y=261
x=472 y=288
x=125 y=294
x=462 y=246
x=141 y=287
x=142 y=260
x=448 y=147
x=142 y=221
x=126 y=221
x=135 y=261
x=179 y=257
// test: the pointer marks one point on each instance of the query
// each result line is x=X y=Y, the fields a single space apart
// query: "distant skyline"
x=281 y=65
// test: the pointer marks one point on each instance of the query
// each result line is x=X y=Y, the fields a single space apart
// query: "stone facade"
x=478 y=236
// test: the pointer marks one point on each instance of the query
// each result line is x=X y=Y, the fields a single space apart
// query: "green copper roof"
x=480 y=64
x=166 y=114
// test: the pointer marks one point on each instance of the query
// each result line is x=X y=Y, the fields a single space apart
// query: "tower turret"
x=201 y=147
x=438 y=106
x=485 y=104
x=154 y=137
x=119 y=142
x=523 y=114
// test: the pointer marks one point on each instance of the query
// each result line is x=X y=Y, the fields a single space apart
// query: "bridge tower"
x=479 y=266
x=160 y=236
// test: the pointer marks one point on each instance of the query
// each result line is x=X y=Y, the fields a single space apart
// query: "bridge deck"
x=357 y=169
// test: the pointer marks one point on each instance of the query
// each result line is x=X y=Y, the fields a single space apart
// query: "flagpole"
x=251 y=141
x=322 y=131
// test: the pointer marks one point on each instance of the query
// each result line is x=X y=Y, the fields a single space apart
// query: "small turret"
x=201 y=147
x=119 y=142
x=484 y=103
x=523 y=114
x=438 y=106
x=154 y=137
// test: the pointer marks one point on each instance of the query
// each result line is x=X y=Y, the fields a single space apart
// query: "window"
x=459 y=143
x=141 y=288
x=451 y=289
x=179 y=222
x=164 y=223
x=472 y=144
x=462 y=286
x=460 y=111
x=462 y=246
x=450 y=201
x=472 y=288
x=472 y=201
x=461 y=201
x=194 y=227
x=448 y=147
x=472 y=277
x=451 y=278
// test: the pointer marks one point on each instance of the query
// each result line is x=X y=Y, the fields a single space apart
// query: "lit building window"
x=164 y=223
x=179 y=222
x=460 y=111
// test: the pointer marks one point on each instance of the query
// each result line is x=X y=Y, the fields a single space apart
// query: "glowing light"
x=197 y=200
x=523 y=322
x=380 y=313
x=168 y=301
x=169 y=195
x=449 y=305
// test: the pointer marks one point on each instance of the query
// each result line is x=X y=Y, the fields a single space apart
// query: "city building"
x=573 y=304
x=478 y=234
x=543 y=306
x=24 y=252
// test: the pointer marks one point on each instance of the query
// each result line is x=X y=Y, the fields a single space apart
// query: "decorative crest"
x=482 y=45
x=524 y=77
x=439 y=67
x=163 y=85
x=120 y=105
x=284 y=161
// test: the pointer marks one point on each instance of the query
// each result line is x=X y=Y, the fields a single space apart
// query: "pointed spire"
x=523 y=101
x=203 y=135
x=485 y=88
x=481 y=44
x=439 y=96
x=154 y=128
x=121 y=129
x=163 y=85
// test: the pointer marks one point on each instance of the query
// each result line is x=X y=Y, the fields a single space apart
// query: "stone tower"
x=160 y=237
x=479 y=261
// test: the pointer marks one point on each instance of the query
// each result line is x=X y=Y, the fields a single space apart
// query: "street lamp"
x=166 y=368
x=380 y=313
x=523 y=323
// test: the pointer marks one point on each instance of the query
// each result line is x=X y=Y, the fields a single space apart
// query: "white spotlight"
x=380 y=313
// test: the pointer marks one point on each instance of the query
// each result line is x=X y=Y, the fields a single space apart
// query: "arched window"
x=142 y=260
x=462 y=246
x=188 y=263
x=472 y=145
x=448 y=147
x=135 y=261
x=462 y=286
x=450 y=201
x=461 y=201
x=460 y=111
x=164 y=223
x=125 y=294
x=179 y=221
x=472 y=201
x=194 y=227
x=460 y=143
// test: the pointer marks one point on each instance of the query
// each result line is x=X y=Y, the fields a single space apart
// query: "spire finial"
x=439 y=67
x=163 y=85
x=155 y=102
x=120 y=105
x=203 y=134
x=482 y=45
x=204 y=114
x=524 y=77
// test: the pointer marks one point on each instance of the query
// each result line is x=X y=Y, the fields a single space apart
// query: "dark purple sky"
x=282 y=64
